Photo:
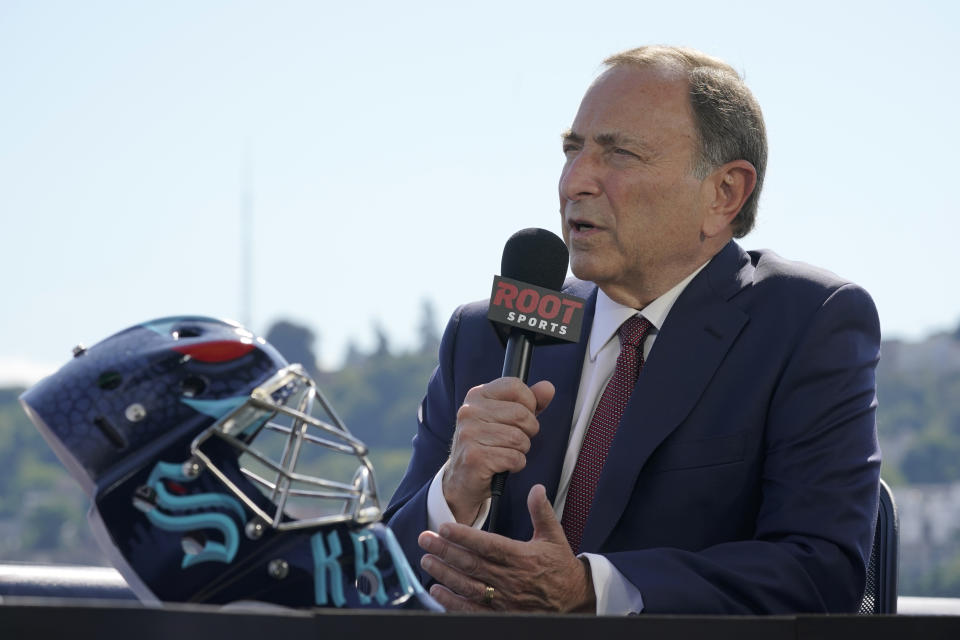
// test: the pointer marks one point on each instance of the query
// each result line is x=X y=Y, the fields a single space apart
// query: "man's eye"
x=570 y=148
x=624 y=152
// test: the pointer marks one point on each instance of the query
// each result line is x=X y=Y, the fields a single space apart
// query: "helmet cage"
x=287 y=404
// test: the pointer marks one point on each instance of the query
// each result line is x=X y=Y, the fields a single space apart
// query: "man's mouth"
x=581 y=226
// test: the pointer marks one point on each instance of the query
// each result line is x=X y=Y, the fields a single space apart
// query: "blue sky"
x=393 y=148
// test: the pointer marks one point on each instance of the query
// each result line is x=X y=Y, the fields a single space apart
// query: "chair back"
x=880 y=595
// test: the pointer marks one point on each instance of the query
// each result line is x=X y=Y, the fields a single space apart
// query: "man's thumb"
x=545 y=523
x=543 y=391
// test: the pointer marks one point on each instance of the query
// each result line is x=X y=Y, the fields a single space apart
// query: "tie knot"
x=634 y=330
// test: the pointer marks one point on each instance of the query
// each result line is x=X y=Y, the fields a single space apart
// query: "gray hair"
x=727 y=116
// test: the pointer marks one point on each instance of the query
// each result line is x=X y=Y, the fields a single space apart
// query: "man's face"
x=631 y=207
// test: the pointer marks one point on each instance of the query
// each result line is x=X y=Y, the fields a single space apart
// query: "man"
x=743 y=474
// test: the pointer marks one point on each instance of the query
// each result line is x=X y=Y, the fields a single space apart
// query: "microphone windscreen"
x=535 y=256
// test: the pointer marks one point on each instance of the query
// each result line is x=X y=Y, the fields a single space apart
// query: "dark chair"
x=880 y=595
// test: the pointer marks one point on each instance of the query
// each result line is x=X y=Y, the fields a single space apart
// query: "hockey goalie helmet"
x=218 y=472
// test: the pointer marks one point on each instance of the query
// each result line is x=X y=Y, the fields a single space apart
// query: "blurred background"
x=339 y=176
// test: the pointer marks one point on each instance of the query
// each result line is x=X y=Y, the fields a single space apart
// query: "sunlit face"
x=631 y=207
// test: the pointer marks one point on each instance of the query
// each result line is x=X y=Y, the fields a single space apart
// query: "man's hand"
x=539 y=575
x=494 y=428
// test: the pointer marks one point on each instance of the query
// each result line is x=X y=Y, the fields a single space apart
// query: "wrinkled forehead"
x=626 y=83
x=645 y=101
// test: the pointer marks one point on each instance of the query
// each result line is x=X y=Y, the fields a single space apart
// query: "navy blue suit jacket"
x=744 y=475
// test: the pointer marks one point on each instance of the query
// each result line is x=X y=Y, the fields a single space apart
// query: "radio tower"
x=246 y=238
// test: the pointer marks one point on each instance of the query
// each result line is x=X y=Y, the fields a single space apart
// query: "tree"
x=382 y=348
x=935 y=457
x=355 y=356
x=427 y=328
x=44 y=523
x=295 y=343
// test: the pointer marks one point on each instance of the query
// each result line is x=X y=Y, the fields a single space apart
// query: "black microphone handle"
x=516 y=361
x=516 y=364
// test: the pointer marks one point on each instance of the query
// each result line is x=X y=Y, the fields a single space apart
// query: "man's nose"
x=580 y=177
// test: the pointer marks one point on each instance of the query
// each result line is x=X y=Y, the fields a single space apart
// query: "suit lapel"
x=698 y=332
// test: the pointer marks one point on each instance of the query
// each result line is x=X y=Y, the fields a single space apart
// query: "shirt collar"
x=609 y=315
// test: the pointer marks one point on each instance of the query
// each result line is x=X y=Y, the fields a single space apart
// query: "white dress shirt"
x=614 y=593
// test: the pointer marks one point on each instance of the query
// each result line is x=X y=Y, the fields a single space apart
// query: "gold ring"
x=488 y=592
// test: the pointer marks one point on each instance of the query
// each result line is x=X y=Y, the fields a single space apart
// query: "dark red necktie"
x=603 y=426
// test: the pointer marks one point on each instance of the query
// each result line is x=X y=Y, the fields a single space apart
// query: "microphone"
x=528 y=308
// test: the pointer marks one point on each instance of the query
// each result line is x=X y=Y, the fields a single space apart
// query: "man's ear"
x=728 y=187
